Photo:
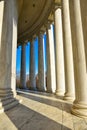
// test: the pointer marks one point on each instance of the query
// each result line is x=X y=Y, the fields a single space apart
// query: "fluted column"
x=32 y=66
x=60 y=78
x=41 y=64
x=80 y=104
x=8 y=45
x=51 y=76
x=68 y=53
x=23 y=66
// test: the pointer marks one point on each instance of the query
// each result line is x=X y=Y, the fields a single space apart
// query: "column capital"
x=56 y=7
x=23 y=44
x=41 y=32
x=33 y=38
x=48 y=25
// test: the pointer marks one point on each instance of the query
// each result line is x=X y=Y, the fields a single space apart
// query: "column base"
x=41 y=90
x=79 y=110
x=7 y=100
x=59 y=93
x=7 y=103
x=22 y=87
x=49 y=91
x=68 y=98
x=32 y=88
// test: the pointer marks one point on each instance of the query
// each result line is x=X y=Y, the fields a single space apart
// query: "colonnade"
x=48 y=85
x=66 y=60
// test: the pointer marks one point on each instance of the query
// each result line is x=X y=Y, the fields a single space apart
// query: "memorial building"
x=64 y=22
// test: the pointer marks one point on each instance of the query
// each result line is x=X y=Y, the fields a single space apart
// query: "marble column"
x=68 y=53
x=41 y=64
x=80 y=103
x=8 y=45
x=23 y=67
x=60 y=78
x=1 y=18
x=32 y=66
x=51 y=76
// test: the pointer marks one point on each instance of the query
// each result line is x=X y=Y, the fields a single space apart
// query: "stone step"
x=5 y=102
x=6 y=97
x=2 y=95
x=8 y=105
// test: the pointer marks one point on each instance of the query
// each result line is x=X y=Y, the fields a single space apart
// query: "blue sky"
x=18 y=59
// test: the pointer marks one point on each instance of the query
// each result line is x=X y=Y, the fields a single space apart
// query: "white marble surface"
x=60 y=73
x=51 y=74
x=68 y=53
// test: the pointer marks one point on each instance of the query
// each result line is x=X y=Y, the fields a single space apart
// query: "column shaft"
x=8 y=44
x=23 y=66
x=68 y=53
x=1 y=18
x=60 y=78
x=41 y=65
x=51 y=76
x=80 y=104
x=32 y=66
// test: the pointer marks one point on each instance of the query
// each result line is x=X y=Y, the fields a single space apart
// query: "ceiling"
x=32 y=15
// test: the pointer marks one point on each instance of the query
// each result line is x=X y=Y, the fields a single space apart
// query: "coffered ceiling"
x=32 y=15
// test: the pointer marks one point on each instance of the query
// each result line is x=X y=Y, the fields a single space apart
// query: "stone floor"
x=40 y=111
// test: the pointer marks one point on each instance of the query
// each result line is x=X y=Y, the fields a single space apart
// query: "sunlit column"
x=68 y=53
x=80 y=104
x=23 y=67
x=1 y=19
x=41 y=64
x=8 y=44
x=32 y=66
x=60 y=79
x=51 y=76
